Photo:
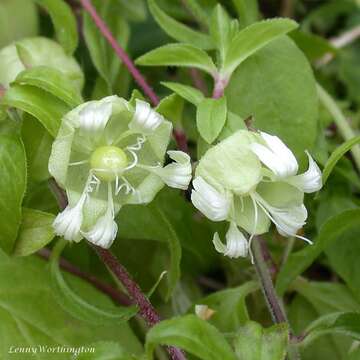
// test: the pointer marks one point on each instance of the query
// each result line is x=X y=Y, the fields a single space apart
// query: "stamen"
x=132 y=150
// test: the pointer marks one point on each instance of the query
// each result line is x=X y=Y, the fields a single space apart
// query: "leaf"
x=106 y=350
x=179 y=31
x=134 y=10
x=192 y=95
x=178 y=55
x=211 y=117
x=298 y=262
x=24 y=24
x=193 y=335
x=277 y=87
x=78 y=307
x=255 y=343
x=346 y=323
x=252 y=39
x=64 y=23
x=229 y=306
x=52 y=81
x=102 y=55
x=220 y=29
x=35 y=232
x=30 y=314
x=248 y=11
x=336 y=156
x=171 y=107
x=45 y=107
x=12 y=188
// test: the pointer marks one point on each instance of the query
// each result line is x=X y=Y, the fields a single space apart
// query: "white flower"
x=288 y=220
x=236 y=243
x=68 y=222
x=209 y=201
x=104 y=231
x=310 y=181
x=95 y=115
x=145 y=119
x=203 y=311
x=276 y=156
x=282 y=162
x=178 y=173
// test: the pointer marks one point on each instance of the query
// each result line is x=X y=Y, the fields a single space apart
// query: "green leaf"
x=172 y=108
x=52 y=81
x=346 y=323
x=277 y=87
x=45 y=107
x=30 y=314
x=77 y=306
x=248 y=11
x=298 y=262
x=336 y=156
x=179 y=31
x=18 y=19
x=12 y=188
x=220 y=29
x=252 y=39
x=64 y=23
x=211 y=117
x=102 y=54
x=106 y=350
x=192 y=95
x=193 y=335
x=178 y=55
x=229 y=306
x=255 y=343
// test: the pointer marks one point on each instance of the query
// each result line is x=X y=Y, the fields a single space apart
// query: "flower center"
x=108 y=162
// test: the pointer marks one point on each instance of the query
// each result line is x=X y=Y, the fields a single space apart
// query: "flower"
x=145 y=120
x=102 y=155
x=236 y=243
x=203 y=311
x=250 y=180
x=209 y=201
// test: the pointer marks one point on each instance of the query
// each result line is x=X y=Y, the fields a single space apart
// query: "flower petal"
x=145 y=119
x=236 y=243
x=95 y=115
x=310 y=181
x=209 y=201
x=276 y=156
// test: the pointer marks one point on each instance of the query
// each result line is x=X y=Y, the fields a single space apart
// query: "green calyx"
x=108 y=162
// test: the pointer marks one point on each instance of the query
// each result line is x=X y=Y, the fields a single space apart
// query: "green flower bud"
x=35 y=51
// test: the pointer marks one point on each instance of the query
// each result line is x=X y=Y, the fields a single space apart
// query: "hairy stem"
x=341 y=122
x=120 y=52
x=146 y=310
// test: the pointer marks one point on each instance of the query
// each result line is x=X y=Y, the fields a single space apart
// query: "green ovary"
x=108 y=162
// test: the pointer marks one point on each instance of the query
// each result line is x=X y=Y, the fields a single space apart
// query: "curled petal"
x=276 y=156
x=310 y=181
x=213 y=204
x=178 y=173
x=95 y=115
x=145 y=119
x=68 y=222
x=104 y=231
x=236 y=243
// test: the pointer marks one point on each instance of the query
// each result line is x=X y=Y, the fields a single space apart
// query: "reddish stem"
x=88 y=6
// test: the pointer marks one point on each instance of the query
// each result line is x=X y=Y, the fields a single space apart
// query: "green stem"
x=341 y=122
x=273 y=302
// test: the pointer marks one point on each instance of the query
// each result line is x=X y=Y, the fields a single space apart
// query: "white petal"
x=68 y=222
x=95 y=115
x=203 y=311
x=236 y=243
x=310 y=181
x=209 y=201
x=276 y=156
x=104 y=231
x=178 y=173
x=145 y=119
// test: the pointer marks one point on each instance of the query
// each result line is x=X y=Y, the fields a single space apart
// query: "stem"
x=120 y=52
x=219 y=86
x=341 y=122
x=273 y=302
x=288 y=249
x=115 y=294
x=146 y=310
